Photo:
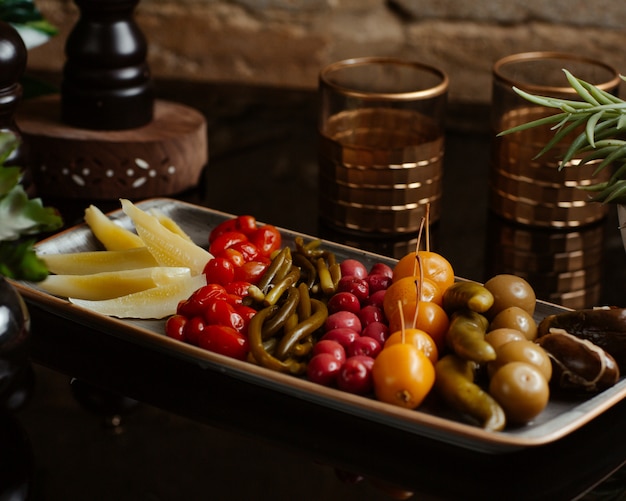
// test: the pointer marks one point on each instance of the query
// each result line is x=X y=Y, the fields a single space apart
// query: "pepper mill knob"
x=13 y=56
x=106 y=80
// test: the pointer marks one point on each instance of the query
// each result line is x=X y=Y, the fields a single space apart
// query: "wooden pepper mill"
x=106 y=80
x=106 y=136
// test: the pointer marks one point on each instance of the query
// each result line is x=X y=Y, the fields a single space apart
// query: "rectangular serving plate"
x=559 y=419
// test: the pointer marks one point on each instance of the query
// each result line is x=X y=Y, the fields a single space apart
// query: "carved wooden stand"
x=106 y=136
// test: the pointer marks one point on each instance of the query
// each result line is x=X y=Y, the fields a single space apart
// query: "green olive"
x=521 y=390
x=517 y=318
x=522 y=351
x=510 y=290
x=497 y=337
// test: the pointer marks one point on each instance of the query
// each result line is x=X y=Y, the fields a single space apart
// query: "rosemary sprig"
x=603 y=116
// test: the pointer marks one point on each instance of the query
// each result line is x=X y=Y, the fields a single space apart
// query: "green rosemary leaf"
x=580 y=89
x=597 y=187
x=617 y=193
x=618 y=173
x=535 y=123
x=603 y=118
x=616 y=159
x=559 y=135
x=591 y=126
x=562 y=123
x=552 y=102
x=575 y=146
x=594 y=154
x=609 y=142
x=602 y=96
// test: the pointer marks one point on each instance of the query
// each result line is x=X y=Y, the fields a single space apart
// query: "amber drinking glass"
x=533 y=190
x=381 y=144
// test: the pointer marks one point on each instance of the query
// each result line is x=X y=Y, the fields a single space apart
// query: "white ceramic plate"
x=559 y=419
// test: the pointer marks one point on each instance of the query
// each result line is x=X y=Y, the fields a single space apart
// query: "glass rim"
x=433 y=91
x=546 y=55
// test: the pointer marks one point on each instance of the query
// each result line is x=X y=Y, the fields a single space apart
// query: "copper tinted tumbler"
x=381 y=144
x=530 y=189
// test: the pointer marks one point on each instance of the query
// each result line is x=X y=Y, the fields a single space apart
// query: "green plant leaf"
x=20 y=261
x=9 y=177
x=23 y=216
x=20 y=217
x=26 y=13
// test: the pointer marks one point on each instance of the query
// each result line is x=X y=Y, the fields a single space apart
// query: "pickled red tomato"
x=224 y=340
x=223 y=313
x=250 y=271
x=219 y=270
x=175 y=327
x=198 y=301
x=343 y=319
x=192 y=329
x=344 y=301
x=246 y=312
x=353 y=267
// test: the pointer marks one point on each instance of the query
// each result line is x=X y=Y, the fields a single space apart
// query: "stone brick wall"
x=285 y=42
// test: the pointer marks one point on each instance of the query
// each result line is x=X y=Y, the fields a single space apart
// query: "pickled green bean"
x=291 y=322
x=325 y=279
x=303 y=329
x=304 y=306
x=335 y=274
x=277 y=290
x=277 y=320
x=307 y=269
x=303 y=348
x=273 y=268
x=258 y=350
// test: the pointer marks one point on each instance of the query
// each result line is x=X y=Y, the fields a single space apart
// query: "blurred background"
x=286 y=42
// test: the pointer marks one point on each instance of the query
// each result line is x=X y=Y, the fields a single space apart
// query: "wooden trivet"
x=164 y=157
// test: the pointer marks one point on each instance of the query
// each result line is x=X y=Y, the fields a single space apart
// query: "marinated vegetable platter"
x=560 y=418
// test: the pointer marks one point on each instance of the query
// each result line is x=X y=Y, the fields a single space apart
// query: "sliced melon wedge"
x=111 y=284
x=169 y=223
x=109 y=233
x=158 y=302
x=168 y=248
x=89 y=262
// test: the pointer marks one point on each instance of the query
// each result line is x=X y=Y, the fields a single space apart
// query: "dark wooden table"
x=109 y=419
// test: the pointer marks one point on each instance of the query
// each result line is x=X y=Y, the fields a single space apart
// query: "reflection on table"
x=563 y=266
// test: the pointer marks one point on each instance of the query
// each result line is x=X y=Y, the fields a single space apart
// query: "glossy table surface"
x=108 y=419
